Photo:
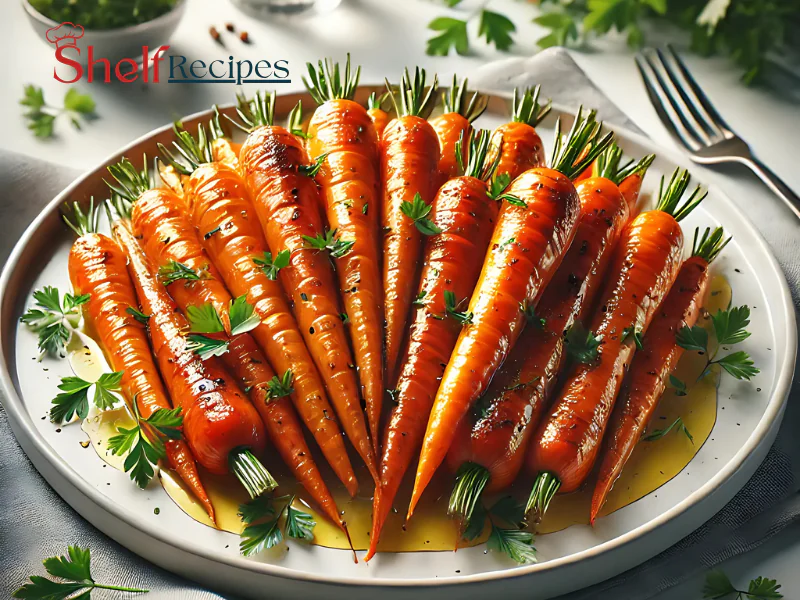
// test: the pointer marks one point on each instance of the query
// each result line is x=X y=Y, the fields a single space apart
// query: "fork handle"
x=776 y=184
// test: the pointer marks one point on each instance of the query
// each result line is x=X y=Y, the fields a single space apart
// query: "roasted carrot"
x=647 y=378
x=409 y=163
x=522 y=148
x=378 y=116
x=160 y=219
x=456 y=121
x=223 y=149
x=341 y=135
x=464 y=214
x=97 y=267
x=535 y=227
x=287 y=204
x=646 y=261
x=488 y=451
x=221 y=426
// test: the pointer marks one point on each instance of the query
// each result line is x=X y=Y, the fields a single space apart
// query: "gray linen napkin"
x=36 y=523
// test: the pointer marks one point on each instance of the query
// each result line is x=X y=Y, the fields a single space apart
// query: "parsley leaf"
x=329 y=241
x=41 y=117
x=75 y=570
x=508 y=510
x=299 y=524
x=497 y=29
x=693 y=338
x=563 y=29
x=513 y=200
x=476 y=523
x=516 y=544
x=174 y=271
x=739 y=364
x=278 y=388
x=271 y=265
x=54 y=320
x=635 y=333
x=312 y=169
x=138 y=315
x=453 y=36
x=729 y=325
x=581 y=344
x=677 y=424
x=204 y=319
x=451 y=307
x=418 y=211
x=498 y=185
x=260 y=536
x=242 y=316
x=718 y=585
x=206 y=347
x=107 y=383
x=764 y=589
x=678 y=385
x=74 y=397
x=263 y=529
x=530 y=315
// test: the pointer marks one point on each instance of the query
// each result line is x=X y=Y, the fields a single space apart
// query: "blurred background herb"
x=753 y=33
x=103 y=14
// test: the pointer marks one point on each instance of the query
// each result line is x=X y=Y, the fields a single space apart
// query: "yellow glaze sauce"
x=651 y=466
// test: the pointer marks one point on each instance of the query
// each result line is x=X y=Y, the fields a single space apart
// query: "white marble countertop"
x=384 y=37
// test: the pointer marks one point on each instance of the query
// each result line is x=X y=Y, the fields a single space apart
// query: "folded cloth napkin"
x=768 y=503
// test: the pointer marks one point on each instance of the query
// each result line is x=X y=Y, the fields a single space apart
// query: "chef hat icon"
x=64 y=35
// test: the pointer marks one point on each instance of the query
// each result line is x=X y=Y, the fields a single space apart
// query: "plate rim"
x=772 y=413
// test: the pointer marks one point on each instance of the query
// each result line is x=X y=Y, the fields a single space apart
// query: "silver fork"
x=694 y=123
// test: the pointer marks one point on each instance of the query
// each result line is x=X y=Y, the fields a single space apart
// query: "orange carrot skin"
x=158 y=217
x=643 y=269
x=409 y=163
x=521 y=148
x=499 y=440
x=97 y=266
x=647 y=379
x=225 y=151
x=466 y=216
x=349 y=183
x=528 y=245
x=217 y=418
x=630 y=188
x=449 y=127
x=217 y=197
x=380 y=119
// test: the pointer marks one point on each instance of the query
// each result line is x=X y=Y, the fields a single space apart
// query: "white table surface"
x=385 y=36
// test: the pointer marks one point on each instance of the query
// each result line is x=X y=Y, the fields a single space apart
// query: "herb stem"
x=118 y=588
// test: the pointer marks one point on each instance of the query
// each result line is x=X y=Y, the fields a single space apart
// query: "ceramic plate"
x=749 y=414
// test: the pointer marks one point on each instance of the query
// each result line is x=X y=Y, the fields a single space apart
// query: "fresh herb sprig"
x=270 y=265
x=280 y=387
x=103 y=15
x=74 y=397
x=42 y=117
x=418 y=211
x=54 y=319
x=175 y=271
x=729 y=328
x=144 y=442
x=513 y=542
x=75 y=575
x=581 y=344
x=452 y=308
x=263 y=524
x=718 y=586
x=678 y=425
x=329 y=241
x=452 y=33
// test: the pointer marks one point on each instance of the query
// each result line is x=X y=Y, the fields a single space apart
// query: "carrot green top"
x=526 y=109
x=710 y=244
x=669 y=197
x=413 y=98
x=482 y=159
x=327 y=81
x=376 y=102
x=131 y=183
x=82 y=222
x=583 y=143
x=455 y=101
x=608 y=164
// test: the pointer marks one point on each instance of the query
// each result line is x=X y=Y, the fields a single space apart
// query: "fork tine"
x=690 y=100
x=702 y=99
x=670 y=90
x=668 y=117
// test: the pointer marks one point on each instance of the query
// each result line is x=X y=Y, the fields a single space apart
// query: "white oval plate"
x=747 y=423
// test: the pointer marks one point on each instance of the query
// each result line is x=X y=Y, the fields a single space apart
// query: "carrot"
x=456 y=120
x=647 y=379
x=223 y=150
x=97 y=267
x=465 y=214
x=535 y=226
x=646 y=261
x=409 y=163
x=342 y=133
x=286 y=201
x=488 y=451
x=378 y=116
x=160 y=219
x=221 y=426
x=522 y=148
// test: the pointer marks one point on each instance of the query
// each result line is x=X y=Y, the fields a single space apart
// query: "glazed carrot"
x=223 y=149
x=646 y=261
x=455 y=121
x=409 y=163
x=161 y=221
x=97 y=267
x=342 y=133
x=647 y=378
x=534 y=228
x=378 y=116
x=521 y=146
x=221 y=426
x=287 y=204
x=488 y=451
x=465 y=214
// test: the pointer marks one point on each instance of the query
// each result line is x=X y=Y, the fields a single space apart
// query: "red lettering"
x=126 y=77
x=93 y=63
x=157 y=57
x=64 y=60
x=145 y=58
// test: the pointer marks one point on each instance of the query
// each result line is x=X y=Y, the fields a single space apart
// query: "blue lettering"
x=179 y=66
